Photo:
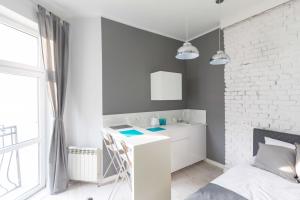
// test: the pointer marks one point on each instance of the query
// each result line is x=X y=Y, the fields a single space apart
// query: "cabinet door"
x=179 y=152
x=197 y=144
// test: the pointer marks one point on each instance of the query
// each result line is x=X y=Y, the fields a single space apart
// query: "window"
x=22 y=112
x=18 y=46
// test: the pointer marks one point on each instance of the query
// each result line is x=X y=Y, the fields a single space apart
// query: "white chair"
x=112 y=154
x=119 y=159
x=125 y=162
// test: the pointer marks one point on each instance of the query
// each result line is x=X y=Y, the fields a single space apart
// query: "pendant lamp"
x=220 y=58
x=187 y=51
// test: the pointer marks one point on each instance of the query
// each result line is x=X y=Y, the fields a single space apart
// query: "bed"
x=248 y=182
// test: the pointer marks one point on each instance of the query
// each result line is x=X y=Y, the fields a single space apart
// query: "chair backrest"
x=109 y=141
x=120 y=148
x=125 y=149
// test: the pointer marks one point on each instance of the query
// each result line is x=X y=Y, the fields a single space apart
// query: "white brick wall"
x=263 y=79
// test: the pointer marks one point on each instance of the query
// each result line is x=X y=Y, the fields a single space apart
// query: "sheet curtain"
x=54 y=34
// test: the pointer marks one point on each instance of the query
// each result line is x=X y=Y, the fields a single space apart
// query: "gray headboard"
x=259 y=137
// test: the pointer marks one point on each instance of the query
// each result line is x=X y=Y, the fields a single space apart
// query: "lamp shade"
x=187 y=52
x=220 y=58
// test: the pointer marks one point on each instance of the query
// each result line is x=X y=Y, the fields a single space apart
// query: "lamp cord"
x=219 y=39
x=219 y=9
x=186 y=28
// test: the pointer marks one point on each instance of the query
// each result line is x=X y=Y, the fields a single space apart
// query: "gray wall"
x=205 y=90
x=129 y=55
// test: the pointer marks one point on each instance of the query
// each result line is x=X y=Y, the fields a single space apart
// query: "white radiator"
x=84 y=164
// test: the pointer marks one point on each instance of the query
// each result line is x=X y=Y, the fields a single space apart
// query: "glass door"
x=22 y=113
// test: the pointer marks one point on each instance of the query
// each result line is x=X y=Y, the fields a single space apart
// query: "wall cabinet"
x=166 y=86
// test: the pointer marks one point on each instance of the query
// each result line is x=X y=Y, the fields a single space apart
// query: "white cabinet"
x=188 y=144
x=179 y=152
x=197 y=143
x=166 y=86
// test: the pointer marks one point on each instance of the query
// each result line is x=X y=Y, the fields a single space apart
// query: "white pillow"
x=275 y=142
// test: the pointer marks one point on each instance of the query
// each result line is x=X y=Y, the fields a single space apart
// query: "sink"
x=123 y=126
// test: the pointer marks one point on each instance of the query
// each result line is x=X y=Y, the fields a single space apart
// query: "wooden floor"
x=184 y=183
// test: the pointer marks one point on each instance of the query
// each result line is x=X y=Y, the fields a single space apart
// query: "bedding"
x=298 y=161
x=249 y=182
x=253 y=183
x=278 y=160
x=215 y=192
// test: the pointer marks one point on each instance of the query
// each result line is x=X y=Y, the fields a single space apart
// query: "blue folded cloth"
x=156 y=129
x=130 y=133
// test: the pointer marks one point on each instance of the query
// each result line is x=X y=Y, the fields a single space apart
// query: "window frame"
x=8 y=67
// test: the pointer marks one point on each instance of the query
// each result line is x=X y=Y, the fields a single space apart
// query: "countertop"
x=148 y=136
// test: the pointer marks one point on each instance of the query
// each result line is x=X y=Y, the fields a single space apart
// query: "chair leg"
x=114 y=186
x=117 y=188
x=126 y=171
x=119 y=183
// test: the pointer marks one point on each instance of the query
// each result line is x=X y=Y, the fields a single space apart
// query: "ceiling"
x=165 y=17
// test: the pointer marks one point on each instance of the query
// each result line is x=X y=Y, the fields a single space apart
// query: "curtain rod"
x=50 y=9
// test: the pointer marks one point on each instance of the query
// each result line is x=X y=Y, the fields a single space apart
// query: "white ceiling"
x=166 y=17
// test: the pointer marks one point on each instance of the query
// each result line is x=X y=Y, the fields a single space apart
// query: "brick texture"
x=263 y=79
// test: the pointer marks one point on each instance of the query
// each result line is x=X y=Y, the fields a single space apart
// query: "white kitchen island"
x=151 y=164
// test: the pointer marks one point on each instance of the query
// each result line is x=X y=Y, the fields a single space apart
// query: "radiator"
x=84 y=164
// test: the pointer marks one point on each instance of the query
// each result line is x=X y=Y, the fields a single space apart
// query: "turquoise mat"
x=130 y=133
x=156 y=129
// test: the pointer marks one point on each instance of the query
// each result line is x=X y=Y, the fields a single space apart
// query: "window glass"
x=19 y=106
x=17 y=46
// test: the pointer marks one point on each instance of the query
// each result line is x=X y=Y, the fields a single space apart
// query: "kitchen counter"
x=169 y=150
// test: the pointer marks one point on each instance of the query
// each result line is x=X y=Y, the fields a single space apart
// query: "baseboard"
x=217 y=164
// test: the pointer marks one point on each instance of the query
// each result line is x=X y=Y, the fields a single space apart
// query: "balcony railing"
x=10 y=175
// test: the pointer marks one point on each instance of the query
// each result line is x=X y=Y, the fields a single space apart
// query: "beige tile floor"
x=190 y=179
x=184 y=183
